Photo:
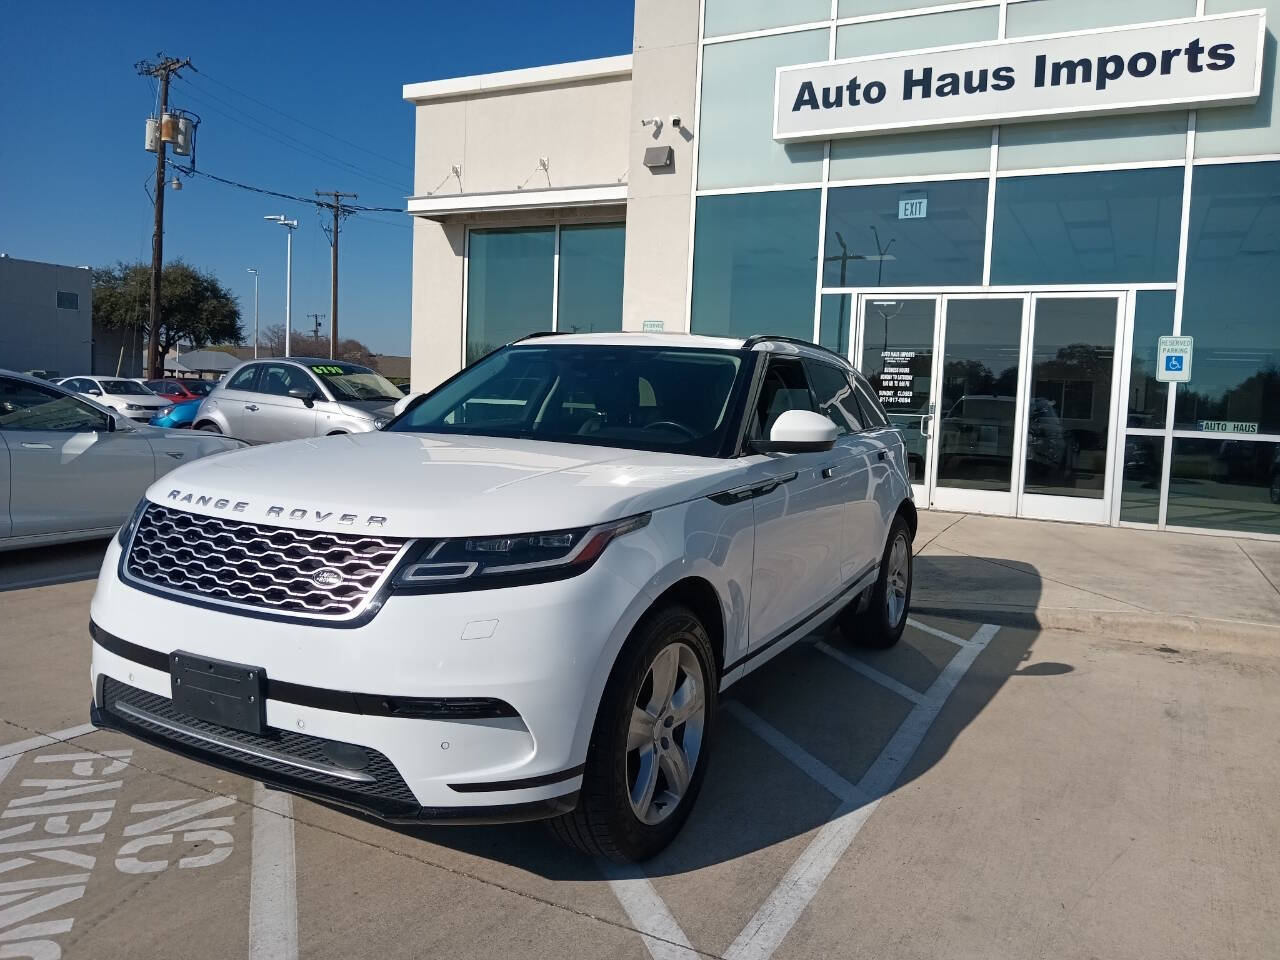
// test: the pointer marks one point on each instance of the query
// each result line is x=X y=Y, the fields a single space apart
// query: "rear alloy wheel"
x=878 y=623
x=650 y=743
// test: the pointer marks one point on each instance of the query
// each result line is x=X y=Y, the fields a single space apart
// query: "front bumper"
x=330 y=772
x=542 y=651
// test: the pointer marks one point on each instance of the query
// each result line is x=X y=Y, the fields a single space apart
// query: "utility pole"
x=315 y=326
x=339 y=212
x=166 y=68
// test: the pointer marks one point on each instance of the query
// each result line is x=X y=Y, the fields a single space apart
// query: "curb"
x=1209 y=634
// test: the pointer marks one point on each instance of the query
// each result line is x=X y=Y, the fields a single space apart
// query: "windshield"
x=346 y=381
x=644 y=398
x=126 y=388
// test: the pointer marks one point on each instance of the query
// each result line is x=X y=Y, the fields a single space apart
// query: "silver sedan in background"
x=73 y=470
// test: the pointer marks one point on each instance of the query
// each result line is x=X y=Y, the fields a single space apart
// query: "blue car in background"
x=177 y=415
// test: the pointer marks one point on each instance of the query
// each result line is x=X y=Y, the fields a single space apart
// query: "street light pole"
x=289 y=225
x=255 y=311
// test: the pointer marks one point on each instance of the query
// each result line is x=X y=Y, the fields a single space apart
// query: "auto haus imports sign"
x=1175 y=64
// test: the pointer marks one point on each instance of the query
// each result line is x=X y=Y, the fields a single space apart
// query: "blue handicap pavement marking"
x=1173 y=362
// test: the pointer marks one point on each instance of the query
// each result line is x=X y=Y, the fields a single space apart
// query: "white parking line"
x=648 y=912
x=771 y=923
x=273 y=891
x=871 y=673
x=45 y=740
x=940 y=634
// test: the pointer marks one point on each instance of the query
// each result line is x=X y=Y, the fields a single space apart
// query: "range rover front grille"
x=308 y=572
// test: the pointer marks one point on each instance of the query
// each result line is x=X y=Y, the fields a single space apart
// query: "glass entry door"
x=1073 y=394
x=898 y=337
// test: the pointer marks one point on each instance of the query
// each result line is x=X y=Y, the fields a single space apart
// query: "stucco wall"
x=35 y=333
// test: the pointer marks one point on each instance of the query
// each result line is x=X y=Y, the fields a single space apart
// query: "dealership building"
x=1047 y=230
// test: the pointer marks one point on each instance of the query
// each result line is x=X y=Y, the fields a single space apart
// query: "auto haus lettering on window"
x=1172 y=65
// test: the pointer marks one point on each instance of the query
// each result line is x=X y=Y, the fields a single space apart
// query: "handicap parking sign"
x=1174 y=364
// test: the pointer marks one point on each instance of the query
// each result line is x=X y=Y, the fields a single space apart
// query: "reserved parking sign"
x=1173 y=359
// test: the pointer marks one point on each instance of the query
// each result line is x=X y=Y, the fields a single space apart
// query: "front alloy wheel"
x=665 y=736
x=650 y=742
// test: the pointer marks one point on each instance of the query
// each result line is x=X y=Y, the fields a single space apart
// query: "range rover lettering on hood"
x=291 y=513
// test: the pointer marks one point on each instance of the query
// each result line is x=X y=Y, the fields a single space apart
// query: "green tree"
x=194 y=307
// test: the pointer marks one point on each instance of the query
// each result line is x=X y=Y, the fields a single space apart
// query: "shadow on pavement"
x=754 y=798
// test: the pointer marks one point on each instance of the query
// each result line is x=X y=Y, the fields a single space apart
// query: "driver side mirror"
x=308 y=397
x=403 y=403
x=799 y=431
x=94 y=392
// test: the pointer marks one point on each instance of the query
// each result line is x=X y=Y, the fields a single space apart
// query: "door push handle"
x=927 y=418
x=251 y=406
x=27 y=445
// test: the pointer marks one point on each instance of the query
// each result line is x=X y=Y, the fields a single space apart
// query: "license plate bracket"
x=230 y=694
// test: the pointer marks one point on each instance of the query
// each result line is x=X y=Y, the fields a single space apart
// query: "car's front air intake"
x=276 y=569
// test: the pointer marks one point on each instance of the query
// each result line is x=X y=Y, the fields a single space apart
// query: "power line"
x=262 y=103
x=319 y=204
x=263 y=128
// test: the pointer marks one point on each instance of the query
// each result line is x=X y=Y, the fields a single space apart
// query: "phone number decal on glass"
x=328 y=370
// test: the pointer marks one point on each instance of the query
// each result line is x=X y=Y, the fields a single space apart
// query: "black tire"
x=604 y=824
x=209 y=427
x=873 y=625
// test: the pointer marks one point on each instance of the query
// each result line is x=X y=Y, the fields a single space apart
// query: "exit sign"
x=917 y=208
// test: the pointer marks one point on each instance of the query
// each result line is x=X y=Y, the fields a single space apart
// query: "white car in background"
x=127 y=397
x=72 y=470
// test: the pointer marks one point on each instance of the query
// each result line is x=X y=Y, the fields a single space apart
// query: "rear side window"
x=835 y=396
x=246 y=379
x=873 y=414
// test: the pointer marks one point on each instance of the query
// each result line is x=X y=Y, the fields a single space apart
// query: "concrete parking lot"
x=1038 y=772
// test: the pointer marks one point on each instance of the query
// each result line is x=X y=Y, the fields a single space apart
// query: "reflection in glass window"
x=1232 y=289
x=834 y=331
x=735 y=122
x=1225 y=484
x=509 y=278
x=979 y=394
x=723 y=17
x=917 y=33
x=906 y=235
x=754 y=264
x=1140 y=493
x=1148 y=397
x=1069 y=411
x=1059 y=16
x=590 y=290
x=1118 y=226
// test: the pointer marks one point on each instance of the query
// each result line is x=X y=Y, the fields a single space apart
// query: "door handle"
x=880 y=455
x=251 y=406
x=27 y=445
x=827 y=472
x=926 y=418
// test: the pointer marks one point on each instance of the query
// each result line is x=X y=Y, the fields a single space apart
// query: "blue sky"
x=72 y=114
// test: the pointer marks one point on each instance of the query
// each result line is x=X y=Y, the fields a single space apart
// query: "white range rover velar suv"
x=524 y=596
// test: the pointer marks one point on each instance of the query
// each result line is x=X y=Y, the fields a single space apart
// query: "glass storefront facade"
x=1004 y=287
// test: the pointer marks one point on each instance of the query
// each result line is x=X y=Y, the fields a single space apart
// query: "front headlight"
x=134 y=406
x=164 y=411
x=483 y=563
x=130 y=525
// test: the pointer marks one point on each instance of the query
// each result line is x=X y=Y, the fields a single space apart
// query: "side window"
x=279 y=378
x=28 y=406
x=835 y=396
x=785 y=388
x=873 y=414
x=246 y=379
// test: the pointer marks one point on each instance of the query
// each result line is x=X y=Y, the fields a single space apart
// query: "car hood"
x=437 y=485
x=149 y=401
x=373 y=409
